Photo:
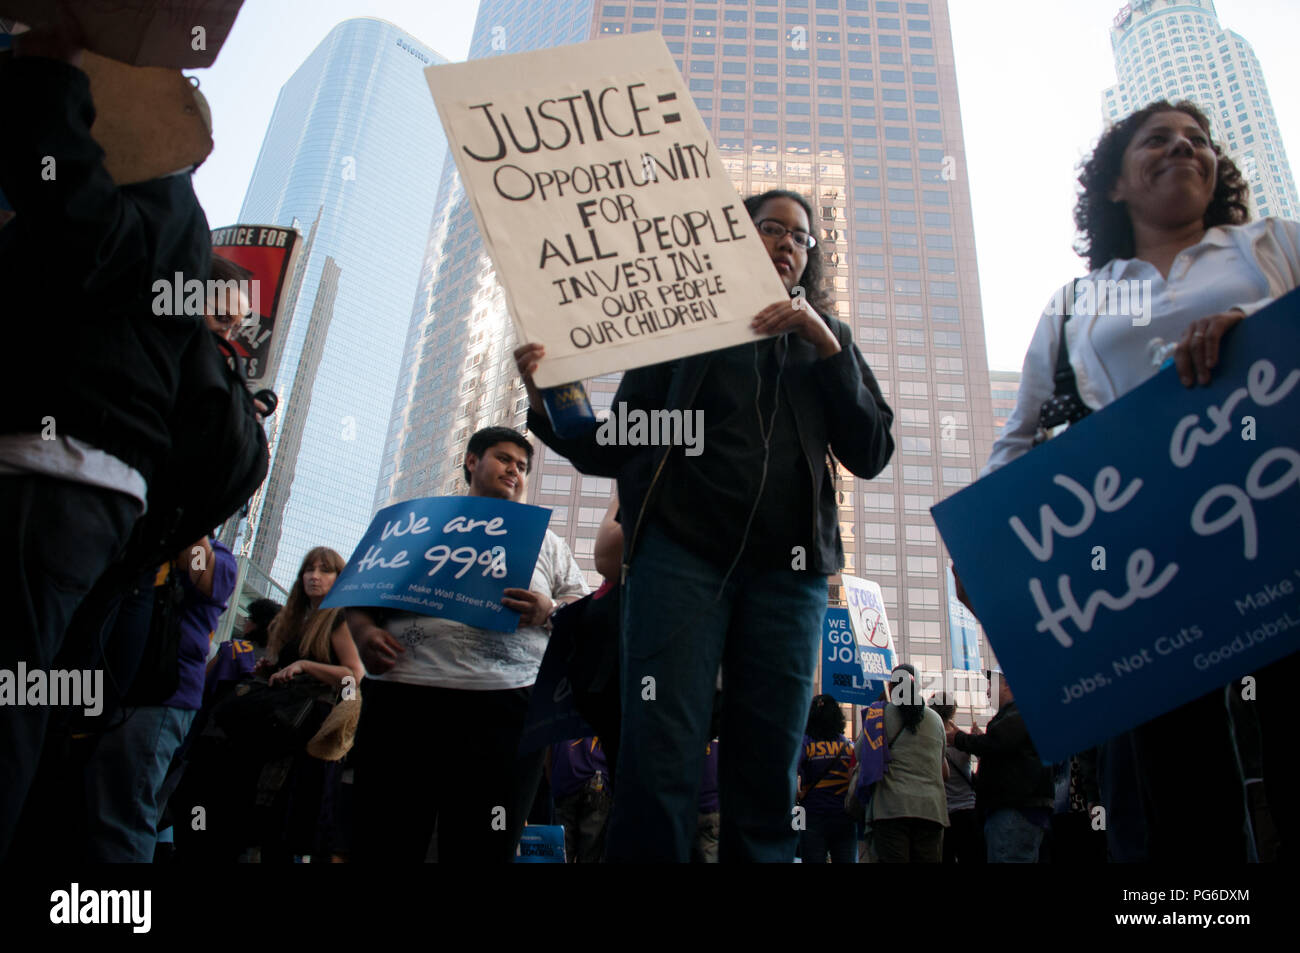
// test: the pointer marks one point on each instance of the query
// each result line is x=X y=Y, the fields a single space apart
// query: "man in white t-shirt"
x=444 y=702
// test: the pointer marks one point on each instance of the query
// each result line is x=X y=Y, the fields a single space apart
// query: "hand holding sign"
x=534 y=608
x=795 y=315
x=1197 y=353
x=378 y=649
x=1160 y=480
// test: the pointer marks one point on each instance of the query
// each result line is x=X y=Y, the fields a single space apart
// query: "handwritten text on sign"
x=1162 y=561
x=613 y=225
x=451 y=557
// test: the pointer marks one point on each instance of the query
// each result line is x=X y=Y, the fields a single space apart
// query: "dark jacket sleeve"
x=115 y=239
x=642 y=388
x=858 y=420
x=1003 y=737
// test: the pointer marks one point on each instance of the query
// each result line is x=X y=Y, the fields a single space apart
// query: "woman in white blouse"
x=1164 y=224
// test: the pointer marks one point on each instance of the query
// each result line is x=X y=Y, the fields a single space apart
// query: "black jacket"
x=78 y=265
x=836 y=403
x=1011 y=774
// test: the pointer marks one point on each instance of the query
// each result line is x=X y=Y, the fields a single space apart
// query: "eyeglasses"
x=774 y=229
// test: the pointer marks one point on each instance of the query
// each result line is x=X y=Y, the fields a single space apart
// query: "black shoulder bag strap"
x=1065 y=406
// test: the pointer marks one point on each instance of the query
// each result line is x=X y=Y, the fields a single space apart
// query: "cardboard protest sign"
x=268 y=253
x=841 y=667
x=871 y=629
x=148 y=121
x=445 y=556
x=963 y=632
x=615 y=231
x=1148 y=555
x=180 y=34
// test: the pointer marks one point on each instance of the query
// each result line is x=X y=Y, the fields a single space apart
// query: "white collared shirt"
x=1233 y=266
x=449 y=654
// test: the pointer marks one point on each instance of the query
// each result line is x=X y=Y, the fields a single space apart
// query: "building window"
x=878 y=562
x=922 y=565
x=602 y=487
x=879 y=531
x=920 y=534
x=556 y=484
x=878 y=502
x=915 y=474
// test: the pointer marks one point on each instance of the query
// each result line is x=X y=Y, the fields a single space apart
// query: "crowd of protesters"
x=716 y=578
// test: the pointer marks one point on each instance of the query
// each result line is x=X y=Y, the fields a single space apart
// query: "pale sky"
x=1029 y=74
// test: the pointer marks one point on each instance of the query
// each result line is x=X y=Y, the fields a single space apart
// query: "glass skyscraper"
x=457 y=371
x=852 y=103
x=355 y=147
x=1176 y=49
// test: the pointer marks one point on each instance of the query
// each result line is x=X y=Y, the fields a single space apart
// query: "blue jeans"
x=123 y=778
x=764 y=631
x=1011 y=837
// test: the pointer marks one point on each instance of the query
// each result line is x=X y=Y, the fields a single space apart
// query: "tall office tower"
x=852 y=103
x=355 y=147
x=1005 y=387
x=1176 y=49
x=457 y=373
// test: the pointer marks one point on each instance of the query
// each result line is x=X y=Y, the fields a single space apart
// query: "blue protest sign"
x=1148 y=555
x=962 y=633
x=841 y=668
x=541 y=844
x=446 y=556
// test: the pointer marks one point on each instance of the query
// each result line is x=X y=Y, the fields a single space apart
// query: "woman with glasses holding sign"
x=726 y=555
x=1176 y=264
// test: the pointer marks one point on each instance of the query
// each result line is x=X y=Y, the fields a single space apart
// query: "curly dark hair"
x=1105 y=232
x=825 y=719
x=813 y=278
